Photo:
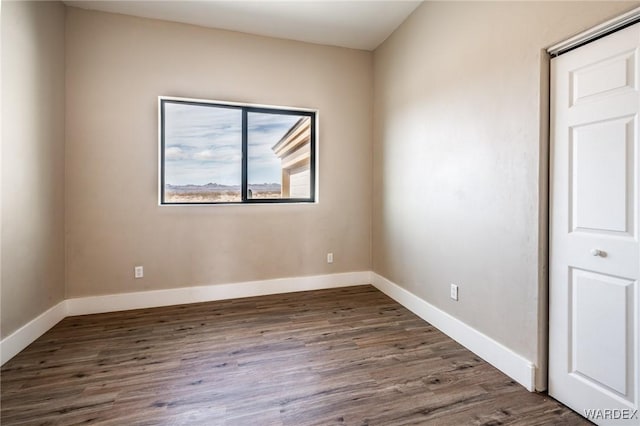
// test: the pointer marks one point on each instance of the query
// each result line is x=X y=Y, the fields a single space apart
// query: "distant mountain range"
x=216 y=187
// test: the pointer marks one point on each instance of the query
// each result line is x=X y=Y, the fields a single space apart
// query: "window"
x=215 y=153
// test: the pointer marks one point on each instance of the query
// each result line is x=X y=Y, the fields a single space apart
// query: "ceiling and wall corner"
x=361 y=24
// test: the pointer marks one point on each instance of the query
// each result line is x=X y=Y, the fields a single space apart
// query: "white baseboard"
x=11 y=345
x=208 y=293
x=24 y=336
x=504 y=359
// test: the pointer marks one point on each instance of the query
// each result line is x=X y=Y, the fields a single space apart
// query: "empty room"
x=320 y=212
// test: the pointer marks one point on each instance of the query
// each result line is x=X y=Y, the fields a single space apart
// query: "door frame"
x=544 y=172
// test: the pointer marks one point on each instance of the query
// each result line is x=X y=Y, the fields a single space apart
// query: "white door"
x=594 y=300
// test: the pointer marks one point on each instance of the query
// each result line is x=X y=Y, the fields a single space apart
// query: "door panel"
x=616 y=73
x=599 y=165
x=594 y=301
x=595 y=327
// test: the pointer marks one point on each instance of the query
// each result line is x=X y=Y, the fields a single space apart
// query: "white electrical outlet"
x=138 y=272
x=329 y=257
x=454 y=292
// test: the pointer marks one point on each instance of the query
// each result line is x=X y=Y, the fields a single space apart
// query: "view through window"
x=218 y=153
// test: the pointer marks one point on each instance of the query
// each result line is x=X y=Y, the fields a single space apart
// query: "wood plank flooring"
x=347 y=356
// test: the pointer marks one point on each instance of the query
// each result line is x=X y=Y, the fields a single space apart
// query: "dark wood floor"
x=346 y=356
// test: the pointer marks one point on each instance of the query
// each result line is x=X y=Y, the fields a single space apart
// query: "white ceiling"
x=358 y=24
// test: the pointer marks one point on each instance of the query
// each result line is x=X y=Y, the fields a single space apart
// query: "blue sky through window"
x=264 y=131
x=203 y=144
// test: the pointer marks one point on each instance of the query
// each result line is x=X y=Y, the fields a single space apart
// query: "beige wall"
x=116 y=68
x=32 y=160
x=460 y=158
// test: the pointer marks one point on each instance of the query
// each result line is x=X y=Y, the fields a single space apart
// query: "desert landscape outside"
x=215 y=193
